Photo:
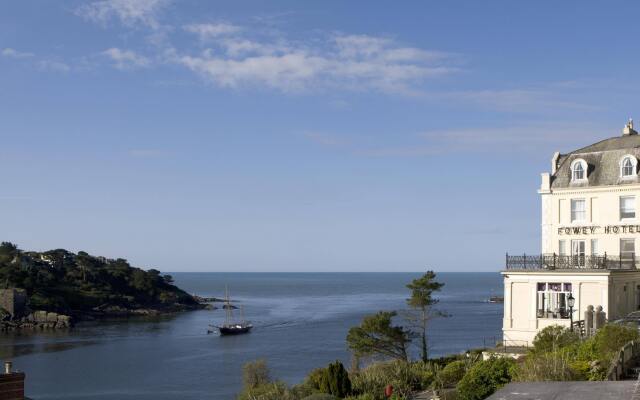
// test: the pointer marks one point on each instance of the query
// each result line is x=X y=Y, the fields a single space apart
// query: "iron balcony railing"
x=555 y=261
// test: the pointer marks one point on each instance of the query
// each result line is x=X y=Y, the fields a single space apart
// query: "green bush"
x=403 y=376
x=552 y=338
x=268 y=391
x=365 y=396
x=550 y=366
x=320 y=396
x=334 y=380
x=452 y=373
x=610 y=338
x=485 y=377
x=255 y=373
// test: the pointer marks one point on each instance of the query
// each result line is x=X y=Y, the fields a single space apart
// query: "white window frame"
x=633 y=166
x=620 y=201
x=583 y=164
x=562 y=247
x=575 y=211
x=551 y=299
x=627 y=255
x=594 y=247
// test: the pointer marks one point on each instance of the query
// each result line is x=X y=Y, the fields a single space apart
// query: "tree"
x=377 y=336
x=421 y=303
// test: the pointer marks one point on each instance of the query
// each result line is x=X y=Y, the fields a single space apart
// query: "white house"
x=590 y=230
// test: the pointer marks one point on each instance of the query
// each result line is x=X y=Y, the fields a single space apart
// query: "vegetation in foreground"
x=80 y=284
x=557 y=355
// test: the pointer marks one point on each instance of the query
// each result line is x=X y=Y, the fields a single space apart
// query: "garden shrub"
x=403 y=376
x=335 y=380
x=550 y=366
x=452 y=373
x=485 y=377
x=269 y=391
x=552 y=338
x=611 y=337
x=320 y=396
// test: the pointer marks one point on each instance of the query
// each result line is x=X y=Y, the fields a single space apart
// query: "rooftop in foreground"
x=605 y=390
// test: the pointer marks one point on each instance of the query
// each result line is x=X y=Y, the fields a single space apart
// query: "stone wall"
x=14 y=301
x=40 y=320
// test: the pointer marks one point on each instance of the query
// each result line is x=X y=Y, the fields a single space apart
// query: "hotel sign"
x=595 y=230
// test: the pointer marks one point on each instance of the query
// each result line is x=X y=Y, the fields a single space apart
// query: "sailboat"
x=230 y=326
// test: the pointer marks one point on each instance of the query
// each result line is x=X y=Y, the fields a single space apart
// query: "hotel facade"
x=590 y=232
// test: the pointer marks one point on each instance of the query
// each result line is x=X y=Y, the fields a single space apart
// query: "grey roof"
x=601 y=390
x=603 y=159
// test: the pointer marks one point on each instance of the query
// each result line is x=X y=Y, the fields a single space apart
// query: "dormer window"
x=628 y=166
x=578 y=170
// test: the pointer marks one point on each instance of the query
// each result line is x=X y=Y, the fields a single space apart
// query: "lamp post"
x=571 y=302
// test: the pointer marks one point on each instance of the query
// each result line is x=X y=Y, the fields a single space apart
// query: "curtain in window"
x=578 y=210
x=627 y=167
x=627 y=207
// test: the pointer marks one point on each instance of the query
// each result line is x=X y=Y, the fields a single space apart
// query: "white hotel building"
x=590 y=233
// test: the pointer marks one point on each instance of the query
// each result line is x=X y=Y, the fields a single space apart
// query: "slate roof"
x=603 y=159
x=588 y=390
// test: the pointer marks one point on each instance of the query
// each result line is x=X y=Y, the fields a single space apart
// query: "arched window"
x=628 y=166
x=577 y=172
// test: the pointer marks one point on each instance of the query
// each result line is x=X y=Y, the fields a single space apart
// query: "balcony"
x=552 y=262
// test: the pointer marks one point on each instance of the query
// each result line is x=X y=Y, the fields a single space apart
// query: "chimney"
x=628 y=129
x=11 y=383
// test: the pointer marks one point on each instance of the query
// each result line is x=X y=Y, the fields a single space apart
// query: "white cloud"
x=129 y=12
x=325 y=139
x=53 y=65
x=126 y=59
x=13 y=53
x=519 y=100
x=532 y=138
x=355 y=62
x=211 y=31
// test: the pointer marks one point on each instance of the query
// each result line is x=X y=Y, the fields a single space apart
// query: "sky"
x=300 y=136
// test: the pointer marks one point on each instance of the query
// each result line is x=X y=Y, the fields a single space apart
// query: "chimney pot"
x=628 y=129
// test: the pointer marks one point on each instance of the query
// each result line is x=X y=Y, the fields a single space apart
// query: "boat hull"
x=233 y=330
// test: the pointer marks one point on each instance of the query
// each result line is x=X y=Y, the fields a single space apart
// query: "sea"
x=300 y=323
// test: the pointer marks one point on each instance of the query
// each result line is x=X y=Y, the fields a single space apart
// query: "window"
x=578 y=210
x=627 y=249
x=577 y=172
x=594 y=247
x=578 y=252
x=628 y=166
x=562 y=248
x=627 y=207
x=552 y=299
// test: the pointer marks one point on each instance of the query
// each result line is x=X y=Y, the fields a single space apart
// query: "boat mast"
x=227 y=302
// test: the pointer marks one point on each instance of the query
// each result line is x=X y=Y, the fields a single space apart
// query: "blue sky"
x=300 y=136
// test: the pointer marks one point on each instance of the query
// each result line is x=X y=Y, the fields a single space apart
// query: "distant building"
x=590 y=230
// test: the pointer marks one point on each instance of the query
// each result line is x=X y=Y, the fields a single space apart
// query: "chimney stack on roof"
x=628 y=129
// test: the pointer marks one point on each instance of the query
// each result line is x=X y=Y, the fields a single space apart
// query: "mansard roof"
x=603 y=160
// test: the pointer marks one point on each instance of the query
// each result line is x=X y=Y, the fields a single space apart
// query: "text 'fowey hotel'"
x=590 y=232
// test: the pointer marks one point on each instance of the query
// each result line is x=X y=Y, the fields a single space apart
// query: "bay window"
x=552 y=299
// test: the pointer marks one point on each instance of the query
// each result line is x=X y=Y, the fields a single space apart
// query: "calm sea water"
x=301 y=321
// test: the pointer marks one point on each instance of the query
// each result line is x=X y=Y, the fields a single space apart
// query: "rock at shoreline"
x=38 y=320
